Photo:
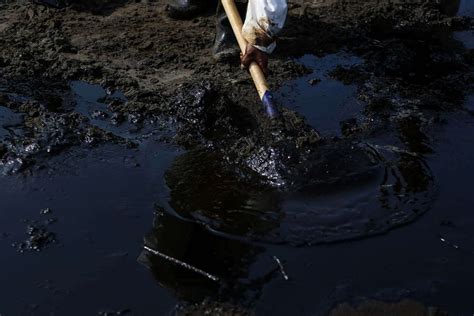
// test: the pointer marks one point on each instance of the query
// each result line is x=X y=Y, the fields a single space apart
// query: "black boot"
x=187 y=9
x=225 y=44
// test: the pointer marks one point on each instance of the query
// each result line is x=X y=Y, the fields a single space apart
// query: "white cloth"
x=264 y=20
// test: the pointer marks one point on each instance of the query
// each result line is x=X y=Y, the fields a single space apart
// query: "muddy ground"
x=364 y=89
x=164 y=68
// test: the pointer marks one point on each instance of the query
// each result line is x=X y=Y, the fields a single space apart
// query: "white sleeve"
x=264 y=20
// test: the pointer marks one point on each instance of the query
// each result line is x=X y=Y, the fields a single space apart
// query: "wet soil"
x=115 y=117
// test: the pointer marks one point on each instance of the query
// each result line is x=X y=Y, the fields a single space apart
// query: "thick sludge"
x=364 y=192
x=403 y=69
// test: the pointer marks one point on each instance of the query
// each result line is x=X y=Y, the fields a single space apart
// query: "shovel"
x=254 y=69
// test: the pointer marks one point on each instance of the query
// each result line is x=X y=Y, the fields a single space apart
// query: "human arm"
x=264 y=20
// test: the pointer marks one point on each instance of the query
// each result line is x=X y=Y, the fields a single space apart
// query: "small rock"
x=126 y=311
x=11 y=166
x=99 y=115
x=45 y=211
x=117 y=119
x=135 y=118
x=314 y=82
x=147 y=45
x=31 y=13
x=349 y=127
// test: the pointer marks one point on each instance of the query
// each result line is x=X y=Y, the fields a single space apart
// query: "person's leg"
x=187 y=9
x=225 y=44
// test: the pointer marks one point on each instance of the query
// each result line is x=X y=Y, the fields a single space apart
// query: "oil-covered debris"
x=200 y=249
x=38 y=233
x=281 y=268
x=212 y=308
x=122 y=312
x=182 y=264
x=38 y=238
x=45 y=211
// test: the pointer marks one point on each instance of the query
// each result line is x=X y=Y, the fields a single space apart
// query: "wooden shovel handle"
x=236 y=23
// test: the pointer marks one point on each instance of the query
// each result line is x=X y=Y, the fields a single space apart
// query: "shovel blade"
x=269 y=105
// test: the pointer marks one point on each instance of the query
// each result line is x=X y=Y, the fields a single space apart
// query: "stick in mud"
x=282 y=269
x=182 y=264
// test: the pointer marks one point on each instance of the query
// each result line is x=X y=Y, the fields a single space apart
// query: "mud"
x=273 y=215
x=70 y=44
x=43 y=126
x=362 y=88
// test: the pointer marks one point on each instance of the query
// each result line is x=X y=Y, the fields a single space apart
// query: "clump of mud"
x=355 y=190
x=39 y=236
x=43 y=125
x=212 y=308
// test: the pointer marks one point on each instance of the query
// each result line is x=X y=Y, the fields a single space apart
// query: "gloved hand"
x=253 y=54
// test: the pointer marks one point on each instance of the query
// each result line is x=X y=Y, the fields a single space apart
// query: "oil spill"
x=10 y=127
x=466 y=8
x=341 y=189
x=97 y=104
x=322 y=100
x=210 y=220
x=127 y=187
x=39 y=122
x=8 y=121
x=370 y=192
x=409 y=262
x=470 y=104
x=102 y=197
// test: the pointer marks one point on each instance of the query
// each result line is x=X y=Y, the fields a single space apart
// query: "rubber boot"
x=225 y=46
x=187 y=9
